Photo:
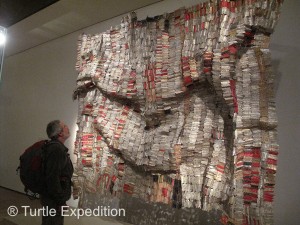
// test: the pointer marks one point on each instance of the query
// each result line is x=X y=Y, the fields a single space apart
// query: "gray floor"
x=10 y=198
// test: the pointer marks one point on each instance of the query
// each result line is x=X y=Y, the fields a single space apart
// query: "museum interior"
x=179 y=111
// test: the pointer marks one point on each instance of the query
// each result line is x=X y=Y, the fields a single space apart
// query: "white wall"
x=286 y=55
x=37 y=86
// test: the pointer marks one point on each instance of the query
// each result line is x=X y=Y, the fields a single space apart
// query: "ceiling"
x=13 y=11
x=33 y=22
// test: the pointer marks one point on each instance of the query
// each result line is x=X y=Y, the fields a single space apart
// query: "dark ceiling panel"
x=13 y=11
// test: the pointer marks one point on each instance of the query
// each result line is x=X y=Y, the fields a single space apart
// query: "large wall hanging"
x=179 y=109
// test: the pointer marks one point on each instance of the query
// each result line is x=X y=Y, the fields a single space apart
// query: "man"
x=58 y=173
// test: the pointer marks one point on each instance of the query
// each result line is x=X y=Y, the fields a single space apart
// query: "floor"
x=9 y=199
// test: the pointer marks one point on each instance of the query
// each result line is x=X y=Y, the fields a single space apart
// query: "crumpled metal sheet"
x=179 y=109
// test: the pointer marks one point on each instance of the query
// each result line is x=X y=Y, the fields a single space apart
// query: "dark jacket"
x=58 y=172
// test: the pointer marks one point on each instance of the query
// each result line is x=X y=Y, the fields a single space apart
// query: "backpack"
x=31 y=168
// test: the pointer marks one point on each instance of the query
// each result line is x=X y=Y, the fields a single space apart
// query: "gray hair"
x=53 y=129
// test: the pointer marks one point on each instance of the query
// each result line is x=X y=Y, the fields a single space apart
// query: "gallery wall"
x=37 y=87
x=285 y=50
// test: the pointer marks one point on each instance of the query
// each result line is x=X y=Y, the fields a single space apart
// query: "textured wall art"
x=179 y=109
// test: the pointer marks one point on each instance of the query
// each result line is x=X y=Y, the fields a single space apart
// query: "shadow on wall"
x=139 y=212
x=277 y=74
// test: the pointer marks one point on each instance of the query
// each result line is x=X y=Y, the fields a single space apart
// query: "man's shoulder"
x=55 y=145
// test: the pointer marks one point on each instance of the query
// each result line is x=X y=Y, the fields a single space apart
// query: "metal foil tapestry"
x=180 y=109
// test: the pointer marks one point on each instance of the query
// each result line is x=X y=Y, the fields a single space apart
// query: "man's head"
x=57 y=130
